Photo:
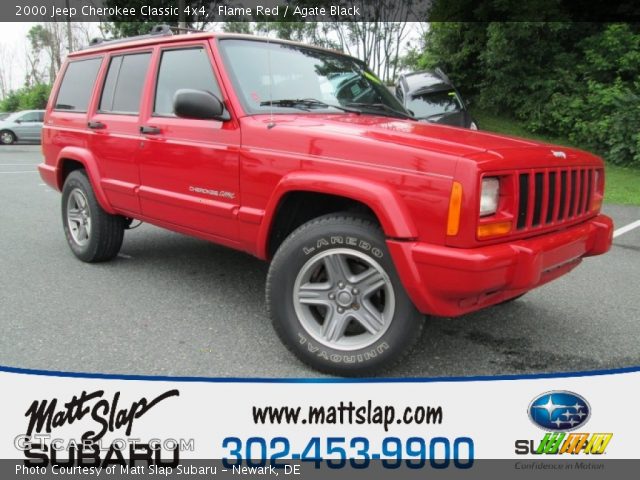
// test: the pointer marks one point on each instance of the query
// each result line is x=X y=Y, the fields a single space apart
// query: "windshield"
x=434 y=103
x=266 y=73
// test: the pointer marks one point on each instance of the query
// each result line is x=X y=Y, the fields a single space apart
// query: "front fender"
x=87 y=159
x=382 y=199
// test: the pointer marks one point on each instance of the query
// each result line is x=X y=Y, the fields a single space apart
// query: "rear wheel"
x=7 y=137
x=92 y=234
x=336 y=300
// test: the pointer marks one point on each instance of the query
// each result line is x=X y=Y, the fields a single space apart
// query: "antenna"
x=271 y=123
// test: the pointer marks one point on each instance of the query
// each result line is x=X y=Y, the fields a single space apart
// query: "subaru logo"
x=559 y=411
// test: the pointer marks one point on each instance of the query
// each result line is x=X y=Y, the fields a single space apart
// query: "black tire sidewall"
x=78 y=179
x=325 y=234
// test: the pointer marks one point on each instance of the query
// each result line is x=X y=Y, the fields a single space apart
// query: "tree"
x=7 y=61
x=578 y=80
x=48 y=39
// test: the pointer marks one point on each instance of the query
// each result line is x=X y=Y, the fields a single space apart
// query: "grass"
x=623 y=184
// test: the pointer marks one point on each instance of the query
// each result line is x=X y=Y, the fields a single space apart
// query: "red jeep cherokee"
x=301 y=156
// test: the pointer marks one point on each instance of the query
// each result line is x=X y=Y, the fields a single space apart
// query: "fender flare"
x=87 y=159
x=382 y=199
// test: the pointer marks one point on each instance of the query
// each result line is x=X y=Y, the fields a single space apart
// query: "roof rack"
x=156 y=30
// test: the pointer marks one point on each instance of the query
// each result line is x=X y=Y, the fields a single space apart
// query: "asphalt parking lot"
x=173 y=305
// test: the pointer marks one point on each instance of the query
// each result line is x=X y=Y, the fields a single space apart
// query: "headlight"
x=489 y=196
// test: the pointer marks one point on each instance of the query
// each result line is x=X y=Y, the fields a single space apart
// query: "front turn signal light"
x=455 y=205
x=494 y=229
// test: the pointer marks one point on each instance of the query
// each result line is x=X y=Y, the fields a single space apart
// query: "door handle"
x=95 y=125
x=150 y=130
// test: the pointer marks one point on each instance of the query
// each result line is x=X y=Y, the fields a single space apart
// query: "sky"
x=13 y=37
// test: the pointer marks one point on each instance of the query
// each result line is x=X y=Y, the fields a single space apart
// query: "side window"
x=184 y=68
x=77 y=85
x=30 y=117
x=40 y=117
x=123 y=86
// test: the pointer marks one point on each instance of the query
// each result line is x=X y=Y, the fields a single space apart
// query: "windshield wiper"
x=381 y=108
x=304 y=104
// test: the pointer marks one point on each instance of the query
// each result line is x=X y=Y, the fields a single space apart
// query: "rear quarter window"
x=77 y=84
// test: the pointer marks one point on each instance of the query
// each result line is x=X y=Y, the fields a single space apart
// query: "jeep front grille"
x=553 y=196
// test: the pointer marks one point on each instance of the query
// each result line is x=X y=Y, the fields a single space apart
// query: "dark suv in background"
x=431 y=97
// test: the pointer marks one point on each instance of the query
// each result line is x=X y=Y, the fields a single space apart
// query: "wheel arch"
x=74 y=158
x=328 y=194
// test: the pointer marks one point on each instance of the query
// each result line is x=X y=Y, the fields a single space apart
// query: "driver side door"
x=189 y=168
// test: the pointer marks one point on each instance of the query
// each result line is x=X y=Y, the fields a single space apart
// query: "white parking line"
x=21 y=171
x=626 y=228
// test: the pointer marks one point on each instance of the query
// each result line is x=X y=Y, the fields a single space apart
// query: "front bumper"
x=447 y=281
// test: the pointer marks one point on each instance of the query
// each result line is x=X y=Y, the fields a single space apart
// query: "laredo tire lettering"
x=339 y=240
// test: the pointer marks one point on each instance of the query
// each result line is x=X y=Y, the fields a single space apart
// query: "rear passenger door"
x=189 y=168
x=115 y=127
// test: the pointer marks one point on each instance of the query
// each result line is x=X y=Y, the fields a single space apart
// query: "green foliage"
x=31 y=98
x=11 y=103
x=577 y=80
x=456 y=48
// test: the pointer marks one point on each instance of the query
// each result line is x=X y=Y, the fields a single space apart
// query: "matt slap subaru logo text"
x=559 y=411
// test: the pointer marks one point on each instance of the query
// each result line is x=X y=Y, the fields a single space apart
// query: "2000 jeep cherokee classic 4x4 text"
x=301 y=156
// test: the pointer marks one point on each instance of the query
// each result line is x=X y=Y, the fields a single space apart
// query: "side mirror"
x=18 y=121
x=188 y=103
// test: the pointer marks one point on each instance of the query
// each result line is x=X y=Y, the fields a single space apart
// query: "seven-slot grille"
x=552 y=196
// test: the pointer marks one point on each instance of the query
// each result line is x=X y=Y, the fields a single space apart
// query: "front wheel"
x=92 y=234
x=336 y=300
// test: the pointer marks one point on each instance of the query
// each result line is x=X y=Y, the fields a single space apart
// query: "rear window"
x=123 y=87
x=77 y=85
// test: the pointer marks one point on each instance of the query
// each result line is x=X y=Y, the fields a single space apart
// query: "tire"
x=330 y=278
x=92 y=234
x=7 y=137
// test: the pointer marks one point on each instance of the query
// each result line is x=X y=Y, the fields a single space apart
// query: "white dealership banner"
x=83 y=421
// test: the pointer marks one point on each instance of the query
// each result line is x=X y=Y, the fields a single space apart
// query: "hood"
x=384 y=130
x=395 y=143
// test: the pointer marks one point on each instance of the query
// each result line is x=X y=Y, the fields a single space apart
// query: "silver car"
x=21 y=126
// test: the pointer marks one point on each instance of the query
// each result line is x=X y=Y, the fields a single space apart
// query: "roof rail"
x=156 y=30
